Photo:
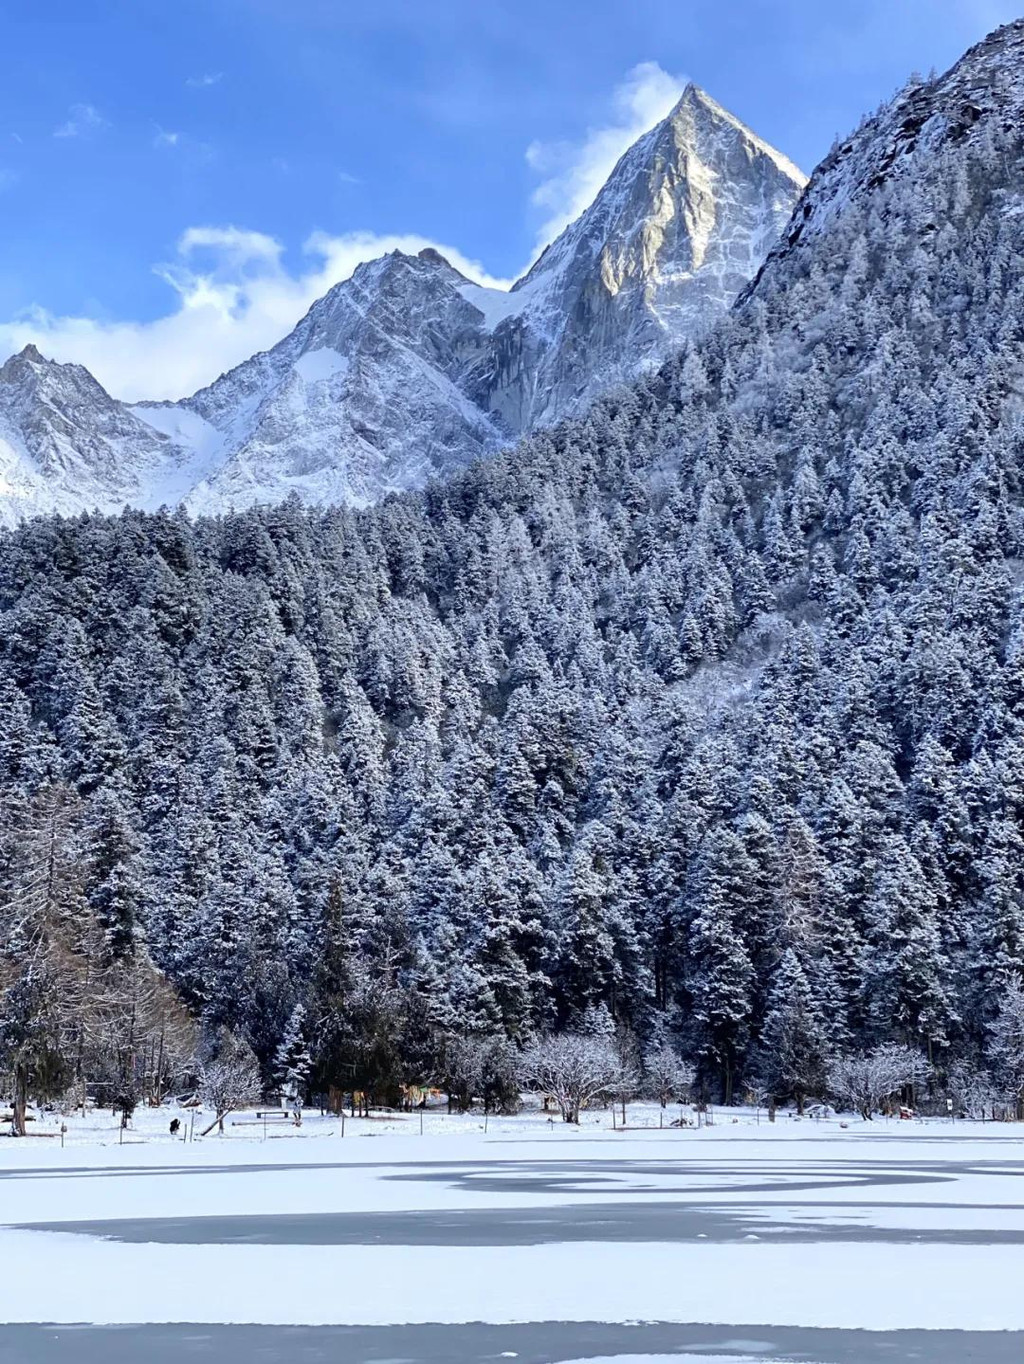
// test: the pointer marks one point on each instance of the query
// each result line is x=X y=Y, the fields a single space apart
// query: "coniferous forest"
x=698 y=720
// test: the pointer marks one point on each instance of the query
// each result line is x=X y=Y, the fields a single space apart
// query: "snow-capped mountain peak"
x=683 y=221
x=66 y=445
x=409 y=369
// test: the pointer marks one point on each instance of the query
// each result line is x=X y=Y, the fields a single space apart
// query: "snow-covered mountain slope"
x=408 y=369
x=432 y=370
x=66 y=445
x=371 y=392
x=982 y=94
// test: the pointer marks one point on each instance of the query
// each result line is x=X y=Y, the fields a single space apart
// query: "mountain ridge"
x=924 y=117
x=409 y=370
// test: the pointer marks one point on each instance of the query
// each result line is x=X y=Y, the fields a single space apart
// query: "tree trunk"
x=218 y=1122
x=158 y=1078
x=19 y=1126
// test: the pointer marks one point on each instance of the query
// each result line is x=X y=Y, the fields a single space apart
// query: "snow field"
x=64 y=1278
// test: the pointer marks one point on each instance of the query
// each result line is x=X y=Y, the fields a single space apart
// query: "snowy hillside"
x=370 y=393
x=978 y=99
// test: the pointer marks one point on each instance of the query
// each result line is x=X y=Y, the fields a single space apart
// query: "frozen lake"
x=851 y=1246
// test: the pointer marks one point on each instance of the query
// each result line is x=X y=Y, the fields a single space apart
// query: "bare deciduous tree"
x=1006 y=1043
x=572 y=1069
x=971 y=1090
x=866 y=1080
x=462 y=1069
x=138 y=1035
x=44 y=963
x=668 y=1076
x=230 y=1081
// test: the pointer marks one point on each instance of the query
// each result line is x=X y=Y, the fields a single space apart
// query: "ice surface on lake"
x=925 y=1220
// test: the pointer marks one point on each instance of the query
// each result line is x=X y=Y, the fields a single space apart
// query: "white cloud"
x=204 y=81
x=574 y=171
x=234 y=296
x=82 y=119
x=163 y=138
x=8 y=178
x=237 y=245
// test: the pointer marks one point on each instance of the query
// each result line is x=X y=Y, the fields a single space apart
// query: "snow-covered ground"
x=836 y=1225
x=100 y=1127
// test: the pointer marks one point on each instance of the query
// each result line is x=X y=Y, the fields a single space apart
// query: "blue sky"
x=179 y=180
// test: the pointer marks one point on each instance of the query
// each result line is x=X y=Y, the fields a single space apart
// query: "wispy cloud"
x=8 y=178
x=82 y=120
x=205 y=80
x=573 y=172
x=233 y=295
x=346 y=179
x=191 y=153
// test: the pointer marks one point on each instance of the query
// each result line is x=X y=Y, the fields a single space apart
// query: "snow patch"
x=61 y=1277
x=314 y=366
x=495 y=304
x=184 y=427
